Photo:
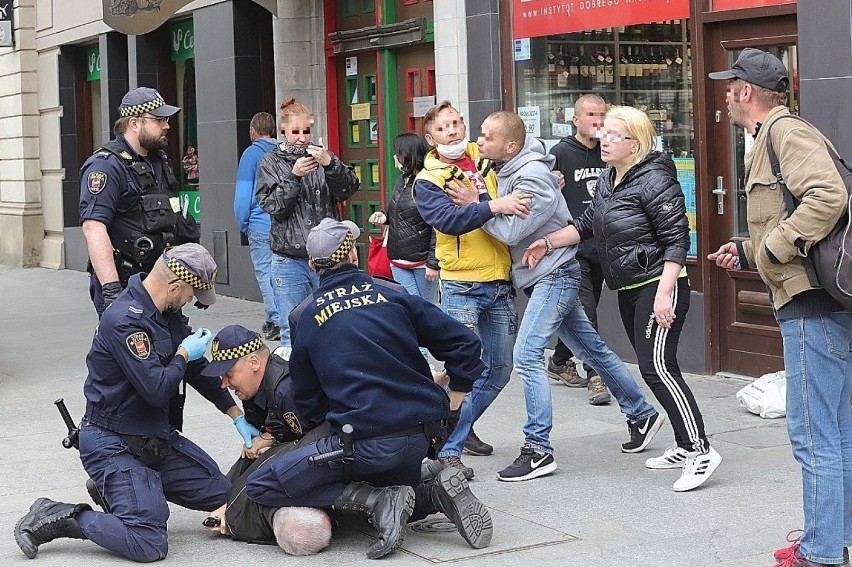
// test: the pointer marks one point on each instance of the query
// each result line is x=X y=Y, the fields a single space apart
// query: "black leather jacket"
x=639 y=224
x=409 y=237
x=297 y=204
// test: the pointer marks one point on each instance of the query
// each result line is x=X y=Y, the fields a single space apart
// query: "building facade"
x=369 y=68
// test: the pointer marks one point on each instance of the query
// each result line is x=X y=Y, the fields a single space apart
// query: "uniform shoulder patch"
x=139 y=345
x=292 y=422
x=96 y=181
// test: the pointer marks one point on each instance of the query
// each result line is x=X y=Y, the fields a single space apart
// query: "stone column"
x=483 y=62
x=299 y=42
x=21 y=222
x=451 y=59
x=825 y=68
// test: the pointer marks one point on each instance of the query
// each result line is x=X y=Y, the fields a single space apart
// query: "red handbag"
x=378 y=263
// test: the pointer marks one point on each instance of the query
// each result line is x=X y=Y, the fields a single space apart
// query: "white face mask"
x=453 y=151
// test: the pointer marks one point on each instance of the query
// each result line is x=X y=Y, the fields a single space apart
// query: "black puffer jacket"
x=297 y=204
x=409 y=237
x=640 y=224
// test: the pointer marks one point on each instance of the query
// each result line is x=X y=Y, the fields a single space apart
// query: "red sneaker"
x=785 y=553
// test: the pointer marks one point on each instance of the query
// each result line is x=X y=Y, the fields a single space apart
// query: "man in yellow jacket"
x=475 y=284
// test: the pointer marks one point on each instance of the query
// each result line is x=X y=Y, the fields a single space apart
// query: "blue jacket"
x=133 y=370
x=249 y=215
x=356 y=360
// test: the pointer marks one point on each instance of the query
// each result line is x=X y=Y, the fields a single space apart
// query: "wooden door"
x=749 y=342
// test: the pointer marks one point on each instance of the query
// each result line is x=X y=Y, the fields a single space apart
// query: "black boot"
x=451 y=495
x=423 y=505
x=46 y=521
x=388 y=509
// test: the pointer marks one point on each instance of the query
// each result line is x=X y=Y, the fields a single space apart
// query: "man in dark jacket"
x=298 y=184
x=377 y=381
x=578 y=158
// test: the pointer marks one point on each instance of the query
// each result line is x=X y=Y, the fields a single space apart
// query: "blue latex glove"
x=246 y=430
x=196 y=343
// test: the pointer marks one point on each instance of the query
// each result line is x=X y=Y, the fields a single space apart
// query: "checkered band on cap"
x=181 y=272
x=139 y=109
x=236 y=352
x=338 y=255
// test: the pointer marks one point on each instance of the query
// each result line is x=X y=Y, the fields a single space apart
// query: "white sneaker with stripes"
x=672 y=458
x=697 y=469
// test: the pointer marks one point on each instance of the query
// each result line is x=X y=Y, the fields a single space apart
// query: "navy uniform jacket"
x=105 y=188
x=277 y=412
x=356 y=359
x=133 y=370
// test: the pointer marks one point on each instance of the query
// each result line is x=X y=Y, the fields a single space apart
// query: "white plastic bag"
x=766 y=396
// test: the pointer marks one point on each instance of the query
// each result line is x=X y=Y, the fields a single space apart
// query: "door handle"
x=720 y=192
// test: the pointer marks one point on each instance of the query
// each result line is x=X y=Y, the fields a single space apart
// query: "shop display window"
x=647 y=66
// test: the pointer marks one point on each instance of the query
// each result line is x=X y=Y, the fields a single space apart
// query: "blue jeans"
x=292 y=281
x=554 y=307
x=414 y=281
x=818 y=361
x=261 y=257
x=489 y=310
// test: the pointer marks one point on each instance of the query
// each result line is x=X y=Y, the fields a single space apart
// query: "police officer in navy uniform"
x=261 y=380
x=142 y=352
x=356 y=361
x=129 y=203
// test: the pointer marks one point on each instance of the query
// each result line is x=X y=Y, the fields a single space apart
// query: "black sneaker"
x=271 y=331
x=642 y=432
x=529 y=465
x=476 y=446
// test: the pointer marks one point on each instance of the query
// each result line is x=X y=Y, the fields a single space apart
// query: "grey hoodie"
x=530 y=172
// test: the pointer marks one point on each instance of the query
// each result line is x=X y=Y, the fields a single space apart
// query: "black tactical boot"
x=46 y=521
x=95 y=495
x=451 y=495
x=388 y=509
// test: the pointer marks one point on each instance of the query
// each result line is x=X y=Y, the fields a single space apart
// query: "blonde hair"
x=638 y=126
x=292 y=108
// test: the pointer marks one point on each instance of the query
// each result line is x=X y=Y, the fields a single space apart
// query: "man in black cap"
x=813 y=324
x=356 y=361
x=129 y=203
x=130 y=446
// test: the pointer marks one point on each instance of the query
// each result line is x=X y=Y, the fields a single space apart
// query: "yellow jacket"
x=473 y=256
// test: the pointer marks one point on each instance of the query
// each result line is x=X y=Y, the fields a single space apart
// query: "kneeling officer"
x=356 y=360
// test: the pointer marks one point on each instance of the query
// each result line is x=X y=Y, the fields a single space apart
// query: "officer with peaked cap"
x=130 y=446
x=130 y=208
x=356 y=360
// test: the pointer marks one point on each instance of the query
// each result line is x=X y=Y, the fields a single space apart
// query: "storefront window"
x=93 y=78
x=647 y=66
x=185 y=124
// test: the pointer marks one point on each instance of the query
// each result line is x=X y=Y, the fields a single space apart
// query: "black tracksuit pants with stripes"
x=656 y=351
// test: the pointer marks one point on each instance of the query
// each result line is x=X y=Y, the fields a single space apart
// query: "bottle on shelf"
x=609 y=69
x=623 y=69
x=585 y=70
x=689 y=65
x=600 y=70
x=634 y=70
x=574 y=71
x=647 y=65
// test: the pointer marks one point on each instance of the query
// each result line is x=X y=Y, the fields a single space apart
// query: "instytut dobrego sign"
x=136 y=17
x=7 y=35
x=534 y=18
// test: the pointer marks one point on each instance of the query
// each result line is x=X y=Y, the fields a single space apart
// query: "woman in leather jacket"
x=410 y=241
x=639 y=225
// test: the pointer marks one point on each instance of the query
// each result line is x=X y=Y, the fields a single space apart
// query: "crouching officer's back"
x=356 y=360
x=142 y=352
x=129 y=202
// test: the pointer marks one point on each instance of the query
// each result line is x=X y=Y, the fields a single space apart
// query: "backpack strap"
x=789 y=200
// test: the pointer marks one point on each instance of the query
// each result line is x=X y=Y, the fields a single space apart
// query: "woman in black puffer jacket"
x=411 y=242
x=639 y=225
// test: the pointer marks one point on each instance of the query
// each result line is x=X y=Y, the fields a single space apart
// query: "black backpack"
x=829 y=263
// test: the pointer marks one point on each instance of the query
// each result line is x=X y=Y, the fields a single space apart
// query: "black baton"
x=345 y=454
x=73 y=437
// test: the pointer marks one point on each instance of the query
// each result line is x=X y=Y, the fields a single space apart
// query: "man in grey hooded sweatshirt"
x=552 y=288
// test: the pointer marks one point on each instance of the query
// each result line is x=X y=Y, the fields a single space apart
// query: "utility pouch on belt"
x=437 y=434
x=176 y=407
x=150 y=450
x=157 y=213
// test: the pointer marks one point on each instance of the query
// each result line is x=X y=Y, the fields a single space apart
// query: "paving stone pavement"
x=601 y=507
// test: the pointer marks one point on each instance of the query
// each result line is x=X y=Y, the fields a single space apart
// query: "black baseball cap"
x=759 y=68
